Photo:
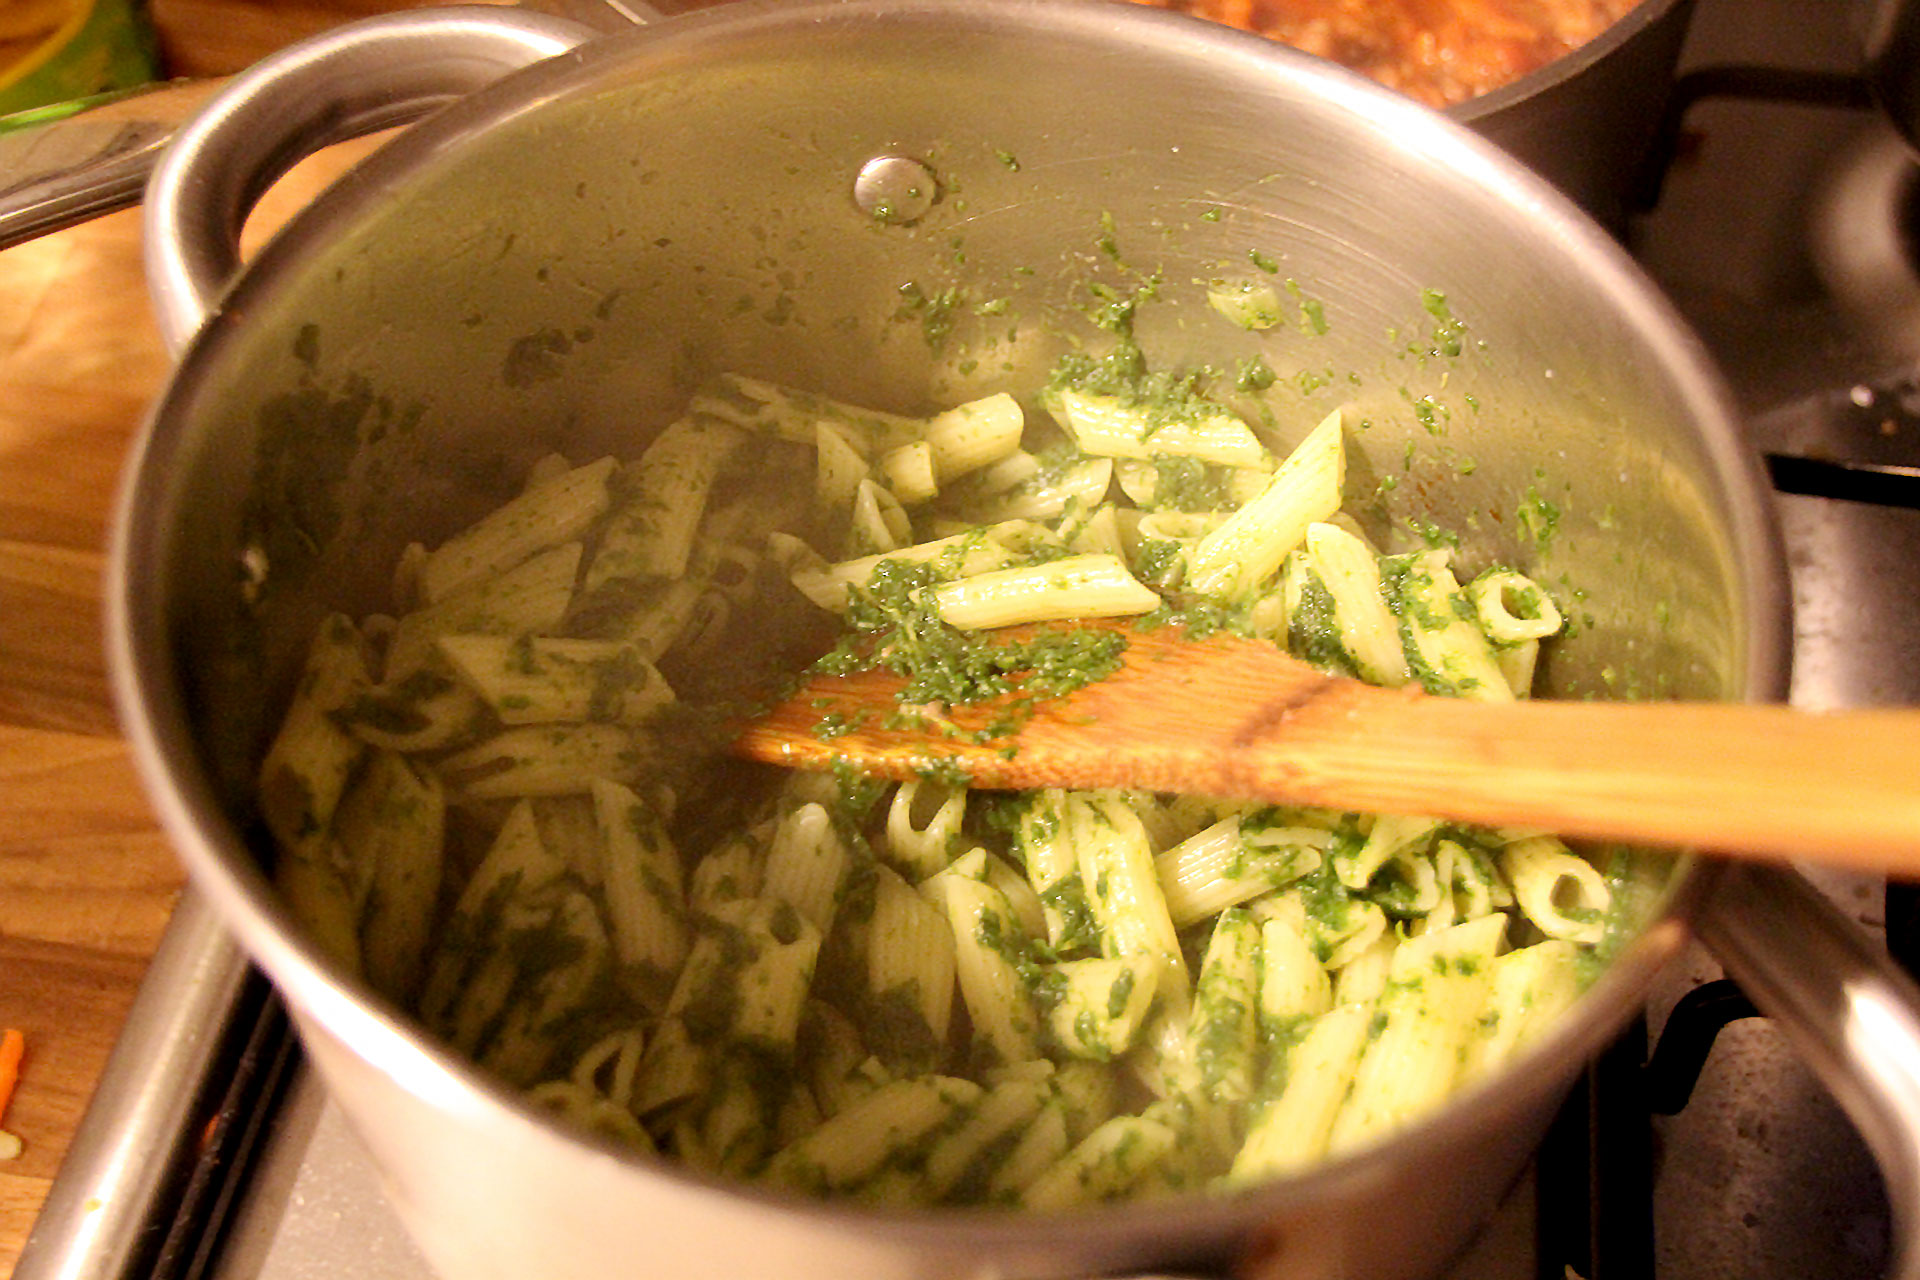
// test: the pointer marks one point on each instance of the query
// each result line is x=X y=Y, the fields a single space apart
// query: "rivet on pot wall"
x=895 y=189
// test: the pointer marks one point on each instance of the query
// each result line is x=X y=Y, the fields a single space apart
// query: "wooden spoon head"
x=1170 y=718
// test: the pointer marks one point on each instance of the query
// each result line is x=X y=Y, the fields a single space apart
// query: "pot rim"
x=155 y=719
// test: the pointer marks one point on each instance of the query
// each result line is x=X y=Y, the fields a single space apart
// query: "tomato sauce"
x=1439 y=51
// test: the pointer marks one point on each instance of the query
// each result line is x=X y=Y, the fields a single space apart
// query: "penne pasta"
x=498 y=805
x=1236 y=559
x=556 y=511
x=1083 y=586
x=1109 y=426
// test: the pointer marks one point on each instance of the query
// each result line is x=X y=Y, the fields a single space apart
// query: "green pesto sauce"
x=1066 y=902
x=894 y=1024
x=1539 y=519
x=613 y=678
x=1186 y=484
x=1157 y=561
x=892 y=626
x=857 y=794
x=395 y=710
x=1313 y=312
x=935 y=311
x=1400 y=582
x=1159 y=396
x=1200 y=618
x=1328 y=902
x=1254 y=375
x=1223 y=1040
x=1449 y=332
x=1432 y=534
x=1313 y=631
x=947 y=772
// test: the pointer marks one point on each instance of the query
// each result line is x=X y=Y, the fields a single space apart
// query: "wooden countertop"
x=86 y=879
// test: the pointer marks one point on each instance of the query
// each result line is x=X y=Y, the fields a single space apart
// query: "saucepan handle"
x=345 y=83
x=1892 y=63
x=1849 y=1012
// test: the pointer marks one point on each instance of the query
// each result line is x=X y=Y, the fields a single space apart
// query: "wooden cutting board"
x=86 y=879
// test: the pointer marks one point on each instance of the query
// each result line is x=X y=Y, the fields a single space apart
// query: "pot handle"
x=1844 y=1006
x=344 y=83
x=1892 y=64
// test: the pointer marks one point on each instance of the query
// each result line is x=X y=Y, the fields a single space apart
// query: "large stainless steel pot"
x=554 y=261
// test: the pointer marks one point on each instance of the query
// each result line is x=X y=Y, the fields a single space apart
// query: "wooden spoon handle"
x=1840 y=788
x=1230 y=717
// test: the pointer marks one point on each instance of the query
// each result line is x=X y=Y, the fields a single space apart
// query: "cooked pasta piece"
x=1225 y=1028
x=1312 y=1081
x=1053 y=865
x=856 y=1143
x=1531 y=987
x=1436 y=990
x=732 y=870
x=1231 y=862
x=1563 y=894
x=1112 y=1160
x=962 y=555
x=1043 y=1144
x=878 y=523
x=391 y=825
x=1083 y=586
x=1079 y=484
x=840 y=469
x=529 y=599
x=545 y=515
x=923 y=826
x=1237 y=558
x=552 y=982
x=908 y=473
x=1099 y=1005
x=650 y=534
x=640 y=877
x=910 y=968
x=986 y=940
x=1512 y=608
x=806 y=865
x=967 y=1154
x=1109 y=426
x=1123 y=889
x=970 y=436
x=1293 y=984
x=1446 y=650
x=306 y=768
x=746 y=976
x=537 y=680
x=1350 y=571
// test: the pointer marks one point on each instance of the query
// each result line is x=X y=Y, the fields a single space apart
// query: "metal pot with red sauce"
x=1441 y=52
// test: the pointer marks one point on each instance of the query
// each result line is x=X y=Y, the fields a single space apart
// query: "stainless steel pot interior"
x=557 y=262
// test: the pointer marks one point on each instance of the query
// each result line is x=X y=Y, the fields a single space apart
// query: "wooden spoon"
x=1227 y=716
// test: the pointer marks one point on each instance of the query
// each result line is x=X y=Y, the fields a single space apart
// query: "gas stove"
x=1787 y=230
